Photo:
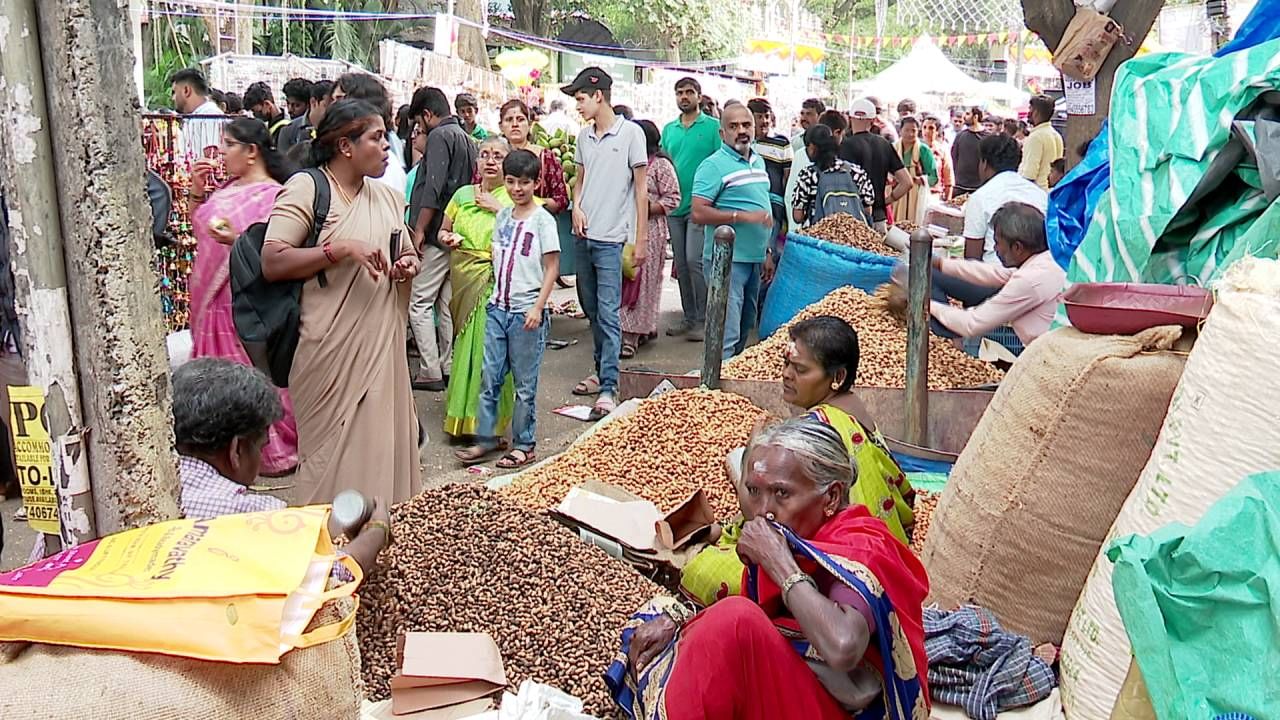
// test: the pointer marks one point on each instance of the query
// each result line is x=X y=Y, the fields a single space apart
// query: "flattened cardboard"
x=439 y=670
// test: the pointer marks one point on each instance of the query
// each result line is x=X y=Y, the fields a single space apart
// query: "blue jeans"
x=743 y=310
x=508 y=347
x=599 y=266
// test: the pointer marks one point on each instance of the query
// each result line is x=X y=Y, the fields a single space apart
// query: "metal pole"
x=717 y=306
x=918 y=294
x=36 y=250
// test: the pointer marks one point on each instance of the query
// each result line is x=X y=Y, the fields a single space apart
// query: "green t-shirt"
x=688 y=147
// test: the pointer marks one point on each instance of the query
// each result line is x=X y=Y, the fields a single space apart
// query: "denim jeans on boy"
x=508 y=347
x=599 y=266
x=743 y=308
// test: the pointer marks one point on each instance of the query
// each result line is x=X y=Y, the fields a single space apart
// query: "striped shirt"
x=731 y=182
x=518 y=247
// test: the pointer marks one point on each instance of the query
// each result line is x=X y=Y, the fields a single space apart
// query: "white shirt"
x=200 y=134
x=1005 y=187
x=394 y=177
x=559 y=120
x=800 y=161
x=518 y=247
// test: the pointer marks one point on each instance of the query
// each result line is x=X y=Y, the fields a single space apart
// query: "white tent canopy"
x=924 y=71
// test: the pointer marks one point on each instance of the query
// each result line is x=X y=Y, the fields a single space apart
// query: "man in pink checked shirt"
x=1030 y=282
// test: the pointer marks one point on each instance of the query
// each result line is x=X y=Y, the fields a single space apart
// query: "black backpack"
x=837 y=194
x=268 y=315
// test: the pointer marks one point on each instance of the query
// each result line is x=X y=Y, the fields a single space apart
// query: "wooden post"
x=918 y=294
x=1049 y=19
x=717 y=305
x=118 y=333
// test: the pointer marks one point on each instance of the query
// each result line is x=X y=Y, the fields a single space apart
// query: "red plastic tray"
x=1127 y=308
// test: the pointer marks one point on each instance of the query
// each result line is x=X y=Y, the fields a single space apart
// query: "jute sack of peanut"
x=1045 y=472
x=1221 y=427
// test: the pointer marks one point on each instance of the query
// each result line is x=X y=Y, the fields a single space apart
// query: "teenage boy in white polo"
x=610 y=209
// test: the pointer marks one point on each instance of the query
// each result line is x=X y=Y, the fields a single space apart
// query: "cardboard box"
x=441 y=670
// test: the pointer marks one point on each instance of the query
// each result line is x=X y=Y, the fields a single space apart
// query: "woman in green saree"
x=467 y=231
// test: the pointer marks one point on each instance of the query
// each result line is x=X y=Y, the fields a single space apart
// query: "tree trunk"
x=105 y=217
x=471 y=47
x=1049 y=19
x=529 y=16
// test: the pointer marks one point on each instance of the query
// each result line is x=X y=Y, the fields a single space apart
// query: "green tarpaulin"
x=1166 y=218
x=1201 y=606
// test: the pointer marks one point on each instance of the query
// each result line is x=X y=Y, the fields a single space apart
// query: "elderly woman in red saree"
x=257 y=172
x=829 y=623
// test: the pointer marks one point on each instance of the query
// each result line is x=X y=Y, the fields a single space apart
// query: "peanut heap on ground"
x=883 y=345
x=467 y=560
x=666 y=449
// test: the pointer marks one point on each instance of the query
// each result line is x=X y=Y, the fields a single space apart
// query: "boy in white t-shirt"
x=526 y=261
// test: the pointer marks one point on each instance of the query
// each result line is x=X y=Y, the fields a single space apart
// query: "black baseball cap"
x=589 y=80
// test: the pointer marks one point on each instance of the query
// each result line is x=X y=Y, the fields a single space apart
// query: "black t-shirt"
x=877 y=156
x=964 y=160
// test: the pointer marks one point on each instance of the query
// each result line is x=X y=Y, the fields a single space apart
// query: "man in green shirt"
x=689 y=139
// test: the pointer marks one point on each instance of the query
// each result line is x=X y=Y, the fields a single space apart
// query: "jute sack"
x=1221 y=427
x=56 y=682
x=1045 y=472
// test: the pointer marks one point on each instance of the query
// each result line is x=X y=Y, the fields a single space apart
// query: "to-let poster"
x=34 y=454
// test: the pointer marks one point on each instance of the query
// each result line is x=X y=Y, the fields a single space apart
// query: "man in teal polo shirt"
x=689 y=139
x=732 y=188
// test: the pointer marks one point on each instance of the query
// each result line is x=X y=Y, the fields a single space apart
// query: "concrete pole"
x=717 y=305
x=918 y=268
x=40 y=279
x=117 y=329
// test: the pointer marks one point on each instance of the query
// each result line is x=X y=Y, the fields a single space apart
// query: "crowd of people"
x=420 y=222
x=442 y=230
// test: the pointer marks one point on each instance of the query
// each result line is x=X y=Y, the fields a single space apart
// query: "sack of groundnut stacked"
x=1045 y=472
x=1221 y=427
x=316 y=683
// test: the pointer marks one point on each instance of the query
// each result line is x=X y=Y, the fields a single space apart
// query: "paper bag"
x=442 y=669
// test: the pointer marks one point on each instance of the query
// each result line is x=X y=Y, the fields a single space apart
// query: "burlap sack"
x=1045 y=473
x=1221 y=427
x=55 y=682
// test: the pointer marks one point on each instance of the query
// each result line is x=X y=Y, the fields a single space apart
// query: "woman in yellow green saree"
x=821 y=364
x=468 y=231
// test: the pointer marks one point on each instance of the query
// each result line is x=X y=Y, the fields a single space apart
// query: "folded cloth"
x=978 y=665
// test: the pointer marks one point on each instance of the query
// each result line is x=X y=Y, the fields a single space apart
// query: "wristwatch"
x=795 y=579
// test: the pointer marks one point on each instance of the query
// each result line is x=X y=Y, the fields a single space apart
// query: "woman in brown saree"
x=357 y=425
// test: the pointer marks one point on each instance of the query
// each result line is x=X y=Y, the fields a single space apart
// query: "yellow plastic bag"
x=238 y=588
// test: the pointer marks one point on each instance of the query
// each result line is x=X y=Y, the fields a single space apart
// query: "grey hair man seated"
x=221 y=413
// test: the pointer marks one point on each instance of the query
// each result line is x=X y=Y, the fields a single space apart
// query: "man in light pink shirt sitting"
x=1030 y=281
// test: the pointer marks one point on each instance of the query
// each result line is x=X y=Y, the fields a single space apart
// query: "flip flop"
x=589 y=386
x=602 y=408
x=474 y=454
x=511 y=461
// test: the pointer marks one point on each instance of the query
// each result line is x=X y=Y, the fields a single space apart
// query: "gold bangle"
x=795 y=579
x=386 y=530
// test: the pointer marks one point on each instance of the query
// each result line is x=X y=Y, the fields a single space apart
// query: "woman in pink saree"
x=257 y=171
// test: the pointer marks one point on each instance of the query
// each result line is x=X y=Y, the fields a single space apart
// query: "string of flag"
x=1003 y=37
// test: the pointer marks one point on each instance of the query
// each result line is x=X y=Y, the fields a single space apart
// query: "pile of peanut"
x=907 y=226
x=959 y=201
x=466 y=560
x=845 y=230
x=669 y=447
x=925 y=504
x=882 y=342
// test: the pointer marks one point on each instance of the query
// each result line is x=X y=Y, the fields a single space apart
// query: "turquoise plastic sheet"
x=1201 y=606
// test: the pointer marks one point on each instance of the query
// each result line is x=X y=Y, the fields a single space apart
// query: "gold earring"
x=347 y=154
x=830 y=512
x=252 y=161
x=835 y=386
